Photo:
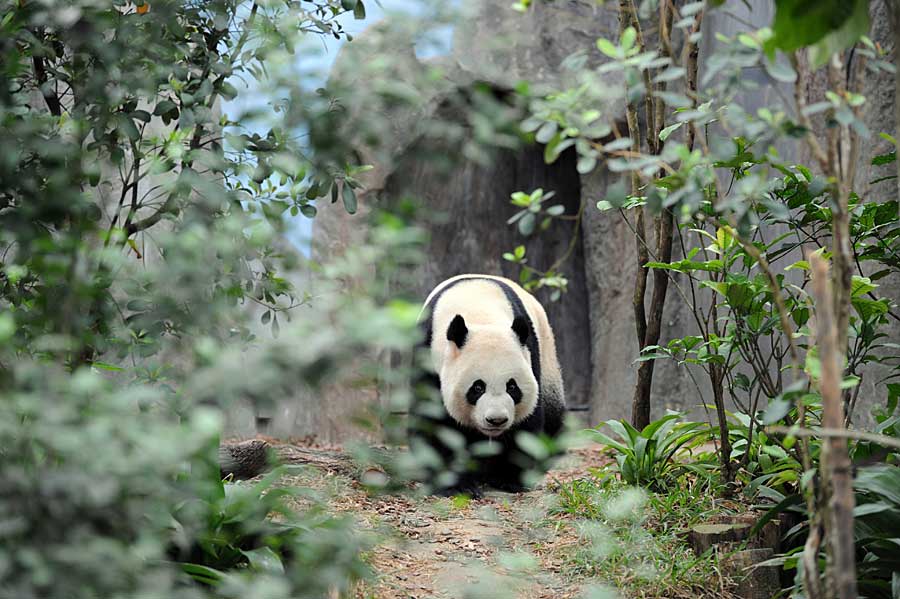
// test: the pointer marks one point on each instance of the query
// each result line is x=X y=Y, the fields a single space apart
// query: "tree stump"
x=737 y=530
x=754 y=581
x=704 y=536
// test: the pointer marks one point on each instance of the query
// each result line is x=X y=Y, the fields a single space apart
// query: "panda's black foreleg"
x=466 y=485
x=501 y=473
x=509 y=486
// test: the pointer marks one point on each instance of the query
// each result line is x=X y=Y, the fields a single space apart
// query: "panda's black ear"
x=457 y=331
x=522 y=329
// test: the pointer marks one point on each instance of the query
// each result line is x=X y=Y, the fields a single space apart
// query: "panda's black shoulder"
x=533 y=343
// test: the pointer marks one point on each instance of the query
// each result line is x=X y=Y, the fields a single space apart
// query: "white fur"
x=492 y=353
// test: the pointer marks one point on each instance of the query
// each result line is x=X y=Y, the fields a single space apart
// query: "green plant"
x=532 y=211
x=650 y=457
x=113 y=108
x=251 y=529
x=877 y=529
x=632 y=539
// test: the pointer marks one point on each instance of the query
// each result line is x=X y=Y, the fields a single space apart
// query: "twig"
x=639 y=420
x=802 y=68
x=836 y=433
x=811 y=579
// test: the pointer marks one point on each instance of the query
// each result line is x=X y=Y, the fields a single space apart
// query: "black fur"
x=522 y=330
x=458 y=331
x=505 y=468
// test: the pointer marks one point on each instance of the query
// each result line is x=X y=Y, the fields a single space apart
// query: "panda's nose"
x=497 y=420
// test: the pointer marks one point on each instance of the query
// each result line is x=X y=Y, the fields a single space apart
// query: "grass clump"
x=634 y=540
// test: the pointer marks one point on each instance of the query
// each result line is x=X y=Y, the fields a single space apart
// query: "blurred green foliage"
x=137 y=225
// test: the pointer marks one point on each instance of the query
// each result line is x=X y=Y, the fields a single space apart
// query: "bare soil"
x=434 y=547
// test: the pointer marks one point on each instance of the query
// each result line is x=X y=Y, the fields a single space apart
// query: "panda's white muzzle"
x=494 y=414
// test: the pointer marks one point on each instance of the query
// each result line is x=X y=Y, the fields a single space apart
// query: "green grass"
x=634 y=540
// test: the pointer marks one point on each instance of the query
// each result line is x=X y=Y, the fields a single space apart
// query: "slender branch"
x=801 y=66
x=811 y=580
x=652 y=132
x=839 y=152
x=836 y=433
x=640 y=284
x=170 y=206
x=894 y=6
x=775 y=288
x=573 y=242
x=692 y=303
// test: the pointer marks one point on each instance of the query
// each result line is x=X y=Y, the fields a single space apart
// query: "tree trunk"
x=837 y=481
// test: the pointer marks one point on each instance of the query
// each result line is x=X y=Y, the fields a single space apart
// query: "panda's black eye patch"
x=512 y=389
x=475 y=391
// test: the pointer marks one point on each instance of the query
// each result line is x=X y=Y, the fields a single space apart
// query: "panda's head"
x=486 y=378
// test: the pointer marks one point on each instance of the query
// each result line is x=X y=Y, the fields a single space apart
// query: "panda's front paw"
x=509 y=486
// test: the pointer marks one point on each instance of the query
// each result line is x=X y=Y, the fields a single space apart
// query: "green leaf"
x=654 y=426
x=880 y=480
x=227 y=90
x=556 y=210
x=885 y=158
x=616 y=195
x=673 y=99
x=860 y=286
x=586 y=164
x=799 y=264
x=532 y=445
x=349 y=198
x=141 y=115
x=801 y=23
x=780 y=71
x=608 y=48
x=606 y=440
x=527 y=224
x=126 y=127
x=667 y=131
x=843 y=36
x=777 y=409
x=546 y=132
x=670 y=74
x=359 y=11
x=264 y=560
x=163 y=107
x=629 y=36
x=688 y=265
x=108 y=367
x=204 y=574
x=867 y=308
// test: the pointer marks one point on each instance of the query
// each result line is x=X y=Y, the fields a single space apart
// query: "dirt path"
x=442 y=548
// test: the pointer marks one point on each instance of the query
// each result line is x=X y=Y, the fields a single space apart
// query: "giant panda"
x=491 y=353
